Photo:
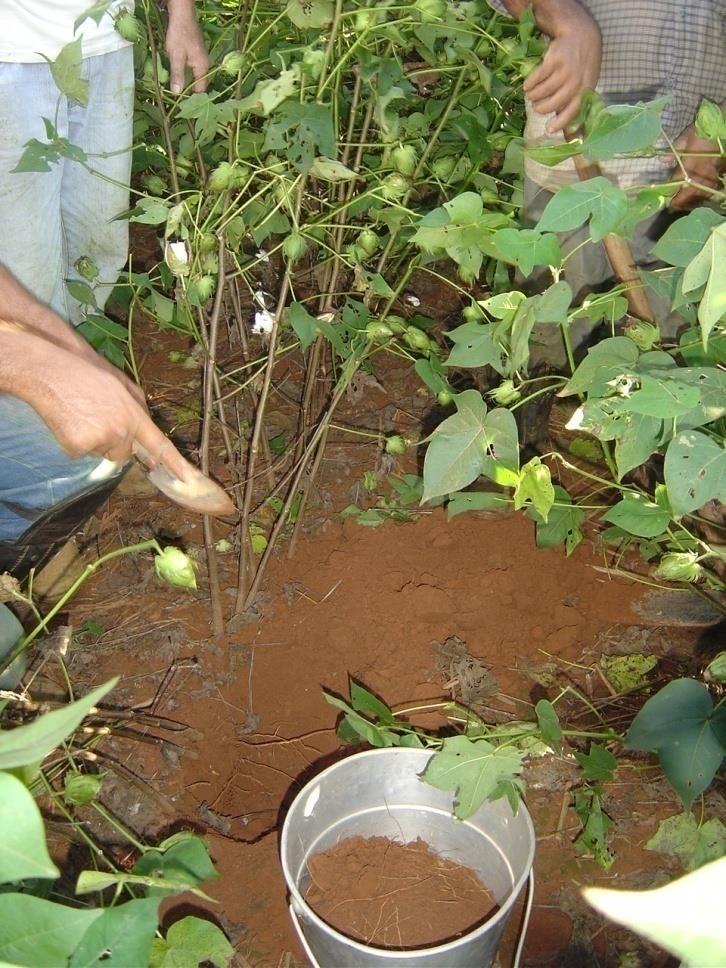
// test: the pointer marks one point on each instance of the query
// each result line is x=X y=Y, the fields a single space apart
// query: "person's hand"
x=571 y=63
x=703 y=169
x=185 y=47
x=88 y=409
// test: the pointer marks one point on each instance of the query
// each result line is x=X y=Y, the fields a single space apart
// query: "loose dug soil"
x=392 y=895
x=221 y=733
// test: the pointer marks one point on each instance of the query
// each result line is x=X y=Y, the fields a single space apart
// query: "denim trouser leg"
x=50 y=219
x=35 y=473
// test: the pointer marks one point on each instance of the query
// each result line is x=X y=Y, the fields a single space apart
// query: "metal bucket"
x=379 y=793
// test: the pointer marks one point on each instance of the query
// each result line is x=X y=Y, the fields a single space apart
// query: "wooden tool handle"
x=618 y=251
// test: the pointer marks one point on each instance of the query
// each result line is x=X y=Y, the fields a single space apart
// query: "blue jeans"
x=35 y=473
x=48 y=220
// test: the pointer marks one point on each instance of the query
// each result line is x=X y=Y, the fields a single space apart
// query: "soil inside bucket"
x=394 y=895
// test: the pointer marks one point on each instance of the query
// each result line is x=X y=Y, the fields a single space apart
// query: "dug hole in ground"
x=421 y=611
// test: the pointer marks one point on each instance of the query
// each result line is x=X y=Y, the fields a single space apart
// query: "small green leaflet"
x=549 y=724
x=604 y=362
x=562 y=525
x=622 y=128
x=596 y=199
x=474 y=346
x=474 y=772
x=595 y=826
x=598 y=765
x=463 y=501
x=692 y=843
x=554 y=154
x=66 y=72
x=95 y=12
x=304 y=325
x=681 y=725
x=535 y=488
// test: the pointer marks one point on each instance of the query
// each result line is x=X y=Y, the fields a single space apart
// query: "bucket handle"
x=294 y=915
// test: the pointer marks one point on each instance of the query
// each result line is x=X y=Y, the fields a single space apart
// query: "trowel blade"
x=197 y=492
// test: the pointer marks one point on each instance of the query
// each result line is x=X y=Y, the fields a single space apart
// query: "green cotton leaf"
x=684 y=239
x=690 y=346
x=554 y=154
x=501 y=445
x=474 y=347
x=680 y=724
x=598 y=764
x=354 y=726
x=664 y=398
x=563 y=524
x=604 y=363
x=553 y=304
x=306 y=134
x=527 y=248
x=463 y=501
x=504 y=304
x=622 y=128
x=35 y=933
x=150 y=211
x=364 y=701
x=535 y=488
x=692 y=843
x=638 y=515
x=23 y=851
x=610 y=306
x=639 y=437
x=549 y=724
x=304 y=325
x=270 y=93
x=121 y=937
x=32 y=743
x=189 y=943
x=95 y=12
x=627 y=672
x=473 y=771
x=455 y=454
x=310 y=14
x=520 y=333
x=38 y=156
x=596 y=199
x=708 y=267
x=595 y=826
x=685 y=917
x=431 y=373
x=695 y=471
x=185 y=859
x=90 y=881
x=66 y=72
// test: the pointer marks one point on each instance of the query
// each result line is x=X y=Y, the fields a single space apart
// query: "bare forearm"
x=551 y=15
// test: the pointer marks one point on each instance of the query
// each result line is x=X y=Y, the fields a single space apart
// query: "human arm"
x=571 y=63
x=17 y=305
x=86 y=408
x=185 y=46
x=700 y=162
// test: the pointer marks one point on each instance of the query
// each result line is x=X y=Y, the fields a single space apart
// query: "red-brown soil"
x=392 y=895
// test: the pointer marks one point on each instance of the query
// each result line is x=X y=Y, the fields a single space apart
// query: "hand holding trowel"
x=91 y=408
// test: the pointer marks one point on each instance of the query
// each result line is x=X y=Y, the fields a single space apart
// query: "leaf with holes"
x=535 y=488
x=562 y=525
x=473 y=771
x=121 y=937
x=474 y=346
x=692 y=843
x=695 y=471
x=681 y=725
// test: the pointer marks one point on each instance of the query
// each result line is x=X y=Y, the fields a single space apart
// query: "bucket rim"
x=301 y=908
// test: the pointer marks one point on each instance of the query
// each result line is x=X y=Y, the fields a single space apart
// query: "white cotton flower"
x=260 y=297
x=262 y=255
x=176 y=256
x=263 y=323
x=412 y=299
